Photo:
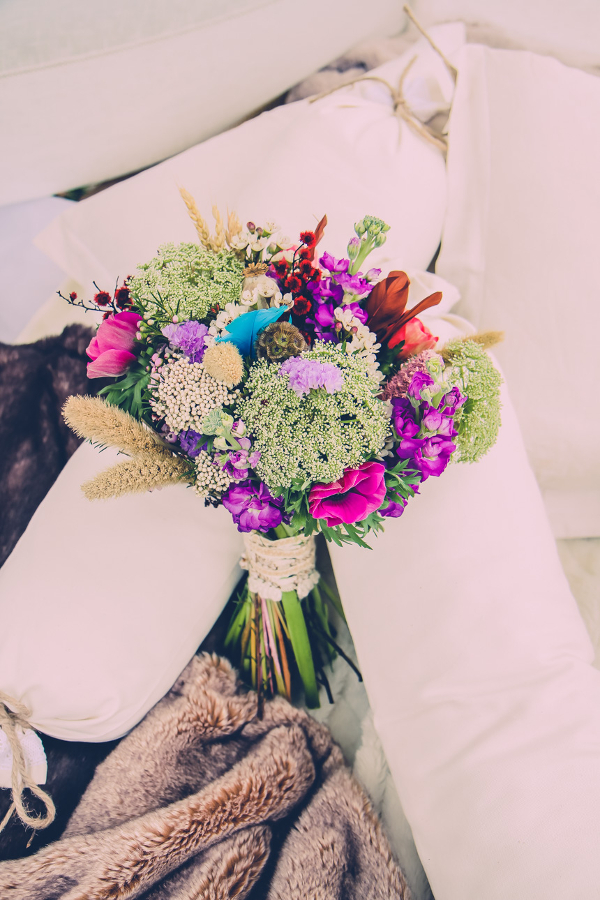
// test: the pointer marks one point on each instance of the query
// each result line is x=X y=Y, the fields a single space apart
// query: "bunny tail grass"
x=485 y=339
x=96 y=420
x=136 y=476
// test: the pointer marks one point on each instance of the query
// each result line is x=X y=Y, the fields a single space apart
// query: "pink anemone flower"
x=351 y=498
x=110 y=350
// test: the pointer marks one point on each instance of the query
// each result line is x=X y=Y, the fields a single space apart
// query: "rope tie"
x=275 y=567
x=402 y=108
x=15 y=715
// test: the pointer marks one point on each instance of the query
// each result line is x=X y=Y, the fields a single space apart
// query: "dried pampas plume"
x=136 y=476
x=96 y=420
x=485 y=339
x=224 y=363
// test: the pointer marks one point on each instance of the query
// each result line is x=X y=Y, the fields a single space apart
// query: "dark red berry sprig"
x=110 y=304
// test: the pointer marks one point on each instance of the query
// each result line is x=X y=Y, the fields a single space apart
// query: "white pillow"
x=478 y=670
x=521 y=241
x=104 y=603
x=567 y=30
x=345 y=155
x=96 y=90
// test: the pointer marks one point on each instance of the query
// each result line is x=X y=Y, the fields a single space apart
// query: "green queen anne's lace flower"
x=471 y=370
x=317 y=437
x=187 y=279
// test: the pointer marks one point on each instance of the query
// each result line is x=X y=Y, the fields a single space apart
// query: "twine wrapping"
x=275 y=567
x=402 y=108
x=15 y=715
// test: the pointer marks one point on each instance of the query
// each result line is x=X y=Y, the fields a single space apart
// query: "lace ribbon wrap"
x=277 y=566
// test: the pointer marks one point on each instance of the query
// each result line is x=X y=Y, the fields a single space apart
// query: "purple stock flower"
x=324 y=315
x=419 y=382
x=305 y=374
x=433 y=455
x=191 y=442
x=437 y=421
x=189 y=337
x=394 y=509
x=354 y=284
x=338 y=266
x=253 y=507
x=403 y=418
x=239 y=462
x=452 y=401
x=358 y=312
x=326 y=289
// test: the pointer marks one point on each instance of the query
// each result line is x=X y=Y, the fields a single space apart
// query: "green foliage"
x=478 y=421
x=316 y=437
x=186 y=280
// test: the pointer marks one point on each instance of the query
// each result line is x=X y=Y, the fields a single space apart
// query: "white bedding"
x=581 y=561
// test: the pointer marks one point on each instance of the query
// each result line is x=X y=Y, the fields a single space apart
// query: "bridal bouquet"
x=295 y=389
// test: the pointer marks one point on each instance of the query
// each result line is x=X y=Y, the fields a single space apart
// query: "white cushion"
x=103 y=604
x=95 y=90
x=345 y=155
x=567 y=30
x=478 y=670
x=520 y=241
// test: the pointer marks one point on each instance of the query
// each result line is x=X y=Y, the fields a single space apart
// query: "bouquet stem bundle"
x=274 y=636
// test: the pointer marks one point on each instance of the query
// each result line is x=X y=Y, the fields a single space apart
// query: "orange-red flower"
x=386 y=308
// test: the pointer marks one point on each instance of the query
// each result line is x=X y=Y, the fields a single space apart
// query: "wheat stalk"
x=234 y=226
x=200 y=225
x=134 y=476
x=96 y=420
x=219 y=239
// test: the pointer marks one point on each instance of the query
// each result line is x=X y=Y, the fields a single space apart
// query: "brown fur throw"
x=204 y=799
x=35 y=381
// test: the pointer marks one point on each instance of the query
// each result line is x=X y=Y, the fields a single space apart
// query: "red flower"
x=386 y=308
x=308 y=238
x=72 y=296
x=305 y=254
x=301 y=307
x=292 y=283
x=123 y=297
x=416 y=337
x=103 y=298
x=317 y=234
x=306 y=269
x=280 y=266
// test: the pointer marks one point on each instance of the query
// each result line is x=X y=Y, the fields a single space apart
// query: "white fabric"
x=27 y=276
x=567 y=30
x=345 y=155
x=103 y=603
x=478 y=670
x=36 y=763
x=521 y=241
x=90 y=91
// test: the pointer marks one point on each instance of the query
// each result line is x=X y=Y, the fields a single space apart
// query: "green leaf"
x=301 y=646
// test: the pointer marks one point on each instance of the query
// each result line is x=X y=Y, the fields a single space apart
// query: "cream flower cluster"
x=363 y=342
x=183 y=393
x=210 y=478
x=263 y=294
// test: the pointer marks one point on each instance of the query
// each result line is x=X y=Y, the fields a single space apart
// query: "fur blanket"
x=204 y=799
x=35 y=381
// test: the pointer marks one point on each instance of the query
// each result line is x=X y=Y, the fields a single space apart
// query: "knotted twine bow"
x=275 y=567
x=13 y=715
x=401 y=107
